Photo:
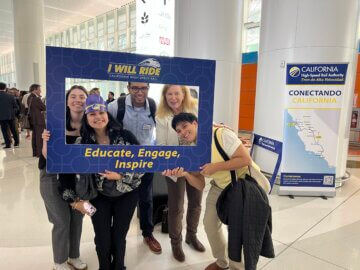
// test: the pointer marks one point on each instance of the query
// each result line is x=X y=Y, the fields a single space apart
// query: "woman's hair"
x=68 y=114
x=94 y=91
x=188 y=104
x=87 y=132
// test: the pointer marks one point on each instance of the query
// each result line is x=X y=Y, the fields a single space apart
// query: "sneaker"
x=62 y=266
x=7 y=147
x=16 y=145
x=77 y=264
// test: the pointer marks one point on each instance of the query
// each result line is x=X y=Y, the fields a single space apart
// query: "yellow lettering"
x=87 y=152
x=109 y=68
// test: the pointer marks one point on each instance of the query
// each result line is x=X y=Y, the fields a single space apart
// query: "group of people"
x=130 y=120
x=16 y=107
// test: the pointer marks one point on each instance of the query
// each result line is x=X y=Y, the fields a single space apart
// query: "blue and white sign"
x=311 y=122
x=64 y=63
x=271 y=145
x=316 y=74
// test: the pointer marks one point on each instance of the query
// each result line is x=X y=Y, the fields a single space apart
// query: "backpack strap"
x=224 y=156
x=121 y=109
x=152 y=106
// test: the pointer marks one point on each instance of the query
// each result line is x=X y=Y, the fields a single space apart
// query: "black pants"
x=5 y=124
x=146 y=204
x=37 y=141
x=111 y=223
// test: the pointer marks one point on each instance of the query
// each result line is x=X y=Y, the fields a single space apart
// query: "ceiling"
x=58 y=16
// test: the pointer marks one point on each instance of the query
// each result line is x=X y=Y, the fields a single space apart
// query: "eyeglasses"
x=137 y=89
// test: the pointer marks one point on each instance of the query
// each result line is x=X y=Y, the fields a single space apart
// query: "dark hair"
x=87 y=133
x=129 y=83
x=33 y=87
x=110 y=92
x=122 y=94
x=2 y=86
x=23 y=93
x=183 y=117
x=68 y=114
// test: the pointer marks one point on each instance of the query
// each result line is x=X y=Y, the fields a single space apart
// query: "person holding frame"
x=186 y=125
x=116 y=194
x=174 y=100
x=58 y=191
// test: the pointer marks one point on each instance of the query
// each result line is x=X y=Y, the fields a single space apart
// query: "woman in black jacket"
x=117 y=194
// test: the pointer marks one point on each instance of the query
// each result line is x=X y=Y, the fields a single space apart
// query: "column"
x=29 y=43
x=211 y=29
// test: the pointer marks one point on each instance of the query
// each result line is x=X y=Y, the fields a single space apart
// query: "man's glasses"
x=137 y=89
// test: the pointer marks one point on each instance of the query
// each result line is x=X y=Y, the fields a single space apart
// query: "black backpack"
x=121 y=108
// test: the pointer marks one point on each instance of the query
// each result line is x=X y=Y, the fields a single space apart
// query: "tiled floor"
x=308 y=233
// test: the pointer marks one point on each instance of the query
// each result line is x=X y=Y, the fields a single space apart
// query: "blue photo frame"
x=62 y=63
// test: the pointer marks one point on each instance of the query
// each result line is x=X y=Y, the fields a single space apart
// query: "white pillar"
x=303 y=31
x=29 y=43
x=211 y=29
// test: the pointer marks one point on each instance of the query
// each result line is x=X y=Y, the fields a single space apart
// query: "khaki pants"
x=214 y=232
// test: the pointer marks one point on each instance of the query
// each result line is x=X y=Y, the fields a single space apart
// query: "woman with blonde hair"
x=176 y=99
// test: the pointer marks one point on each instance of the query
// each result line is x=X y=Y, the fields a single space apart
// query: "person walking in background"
x=174 y=100
x=8 y=109
x=24 y=101
x=37 y=118
x=110 y=97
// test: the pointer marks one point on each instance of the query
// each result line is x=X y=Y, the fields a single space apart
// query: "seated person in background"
x=186 y=126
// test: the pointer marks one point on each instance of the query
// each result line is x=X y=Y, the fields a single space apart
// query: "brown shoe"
x=153 y=244
x=193 y=241
x=214 y=266
x=178 y=252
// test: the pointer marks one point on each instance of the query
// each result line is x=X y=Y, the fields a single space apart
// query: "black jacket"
x=8 y=106
x=249 y=223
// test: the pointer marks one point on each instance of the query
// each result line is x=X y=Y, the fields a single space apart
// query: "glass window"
x=252 y=39
x=254 y=11
x=132 y=16
x=75 y=36
x=82 y=32
x=122 y=19
x=111 y=42
x=133 y=38
x=110 y=23
x=91 y=29
x=91 y=44
x=58 y=40
x=100 y=43
x=122 y=41
x=100 y=27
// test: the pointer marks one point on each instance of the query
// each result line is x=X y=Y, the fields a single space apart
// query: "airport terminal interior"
x=261 y=49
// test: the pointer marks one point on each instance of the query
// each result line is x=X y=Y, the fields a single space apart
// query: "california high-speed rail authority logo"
x=294 y=72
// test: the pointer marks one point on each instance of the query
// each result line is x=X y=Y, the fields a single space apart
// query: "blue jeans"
x=146 y=204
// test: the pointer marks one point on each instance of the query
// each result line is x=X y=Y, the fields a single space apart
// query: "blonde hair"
x=189 y=104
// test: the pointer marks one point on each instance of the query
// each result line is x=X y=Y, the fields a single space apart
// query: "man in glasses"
x=136 y=112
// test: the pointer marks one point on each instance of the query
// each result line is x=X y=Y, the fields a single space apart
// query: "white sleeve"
x=231 y=142
x=112 y=108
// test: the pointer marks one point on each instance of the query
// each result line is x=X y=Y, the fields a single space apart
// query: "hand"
x=208 y=169
x=79 y=206
x=45 y=135
x=109 y=175
x=177 y=172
